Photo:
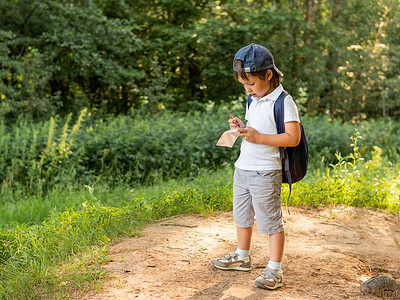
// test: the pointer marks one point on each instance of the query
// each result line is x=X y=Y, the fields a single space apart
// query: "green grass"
x=32 y=257
x=354 y=182
x=51 y=246
x=138 y=150
x=34 y=209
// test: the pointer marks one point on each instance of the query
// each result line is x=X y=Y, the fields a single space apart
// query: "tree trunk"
x=336 y=9
x=333 y=59
x=309 y=21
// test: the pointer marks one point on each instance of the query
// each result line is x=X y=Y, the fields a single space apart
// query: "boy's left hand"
x=249 y=134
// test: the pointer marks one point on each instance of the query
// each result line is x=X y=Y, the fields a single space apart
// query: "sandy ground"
x=328 y=254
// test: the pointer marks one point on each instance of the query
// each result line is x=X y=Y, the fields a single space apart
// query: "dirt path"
x=328 y=254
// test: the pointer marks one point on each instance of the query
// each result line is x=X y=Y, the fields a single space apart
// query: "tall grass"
x=36 y=157
x=34 y=209
x=73 y=183
x=137 y=150
x=134 y=150
x=352 y=181
x=30 y=256
x=36 y=260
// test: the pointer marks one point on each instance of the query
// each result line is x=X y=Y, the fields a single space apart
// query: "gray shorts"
x=258 y=193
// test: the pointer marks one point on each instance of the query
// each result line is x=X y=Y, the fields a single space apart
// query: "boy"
x=258 y=170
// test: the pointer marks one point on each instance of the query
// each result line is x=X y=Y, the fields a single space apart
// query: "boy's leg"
x=238 y=260
x=271 y=278
x=243 y=214
x=269 y=218
x=244 y=237
x=276 y=245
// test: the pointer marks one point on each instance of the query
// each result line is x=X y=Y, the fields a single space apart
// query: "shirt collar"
x=273 y=95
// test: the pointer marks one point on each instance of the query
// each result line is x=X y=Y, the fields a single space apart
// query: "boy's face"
x=256 y=86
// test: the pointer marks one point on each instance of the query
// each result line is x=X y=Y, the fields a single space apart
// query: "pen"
x=235 y=122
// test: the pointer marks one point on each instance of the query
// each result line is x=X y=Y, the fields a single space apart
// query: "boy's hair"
x=275 y=80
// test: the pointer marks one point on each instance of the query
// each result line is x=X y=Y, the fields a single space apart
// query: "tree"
x=60 y=57
x=339 y=57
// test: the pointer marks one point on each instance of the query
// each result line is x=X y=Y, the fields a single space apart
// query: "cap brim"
x=278 y=71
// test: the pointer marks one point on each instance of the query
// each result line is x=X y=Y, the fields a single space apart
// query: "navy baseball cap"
x=255 y=58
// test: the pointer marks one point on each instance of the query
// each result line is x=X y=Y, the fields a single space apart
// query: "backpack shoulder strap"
x=249 y=100
x=279 y=113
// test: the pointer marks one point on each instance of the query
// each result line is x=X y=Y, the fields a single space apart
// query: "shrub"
x=142 y=149
x=351 y=181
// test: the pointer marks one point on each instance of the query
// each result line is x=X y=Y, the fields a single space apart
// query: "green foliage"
x=34 y=209
x=71 y=220
x=351 y=181
x=24 y=81
x=111 y=56
x=34 y=157
x=326 y=138
x=30 y=256
x=137 y=149
x=58 y=57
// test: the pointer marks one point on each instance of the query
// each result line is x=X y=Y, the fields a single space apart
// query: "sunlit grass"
x=352 y=181
x=30 y=255
x=51 y=247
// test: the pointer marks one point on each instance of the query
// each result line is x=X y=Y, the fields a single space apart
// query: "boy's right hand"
x=235 y=123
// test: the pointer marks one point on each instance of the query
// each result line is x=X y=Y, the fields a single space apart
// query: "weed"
x=29 y=255
x=353 y=181
x=66 y=190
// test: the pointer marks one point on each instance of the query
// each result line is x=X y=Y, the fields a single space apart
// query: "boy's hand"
x=235 y=123
x=249 y=134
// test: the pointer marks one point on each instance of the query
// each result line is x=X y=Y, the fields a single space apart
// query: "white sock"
x=274 y=265
x=243 y=253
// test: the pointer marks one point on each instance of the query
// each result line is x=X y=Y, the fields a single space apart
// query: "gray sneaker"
x=232 y=262
x=270 y=279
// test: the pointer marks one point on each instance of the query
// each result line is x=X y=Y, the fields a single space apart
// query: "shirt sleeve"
x=291 y=111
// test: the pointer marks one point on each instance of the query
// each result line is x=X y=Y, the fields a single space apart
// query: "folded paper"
x=228 y=138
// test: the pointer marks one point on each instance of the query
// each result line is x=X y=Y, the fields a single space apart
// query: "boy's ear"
x=269 y=75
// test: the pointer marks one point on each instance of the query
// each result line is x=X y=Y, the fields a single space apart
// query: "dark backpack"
x=294 y=159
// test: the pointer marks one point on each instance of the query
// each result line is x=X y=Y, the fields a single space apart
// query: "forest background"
x=339 y=58
x=110 y=111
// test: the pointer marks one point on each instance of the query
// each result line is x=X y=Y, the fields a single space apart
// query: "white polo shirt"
x=260 y=116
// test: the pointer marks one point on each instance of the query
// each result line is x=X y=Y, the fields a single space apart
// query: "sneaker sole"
x=263 y=286
x=232 y=269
